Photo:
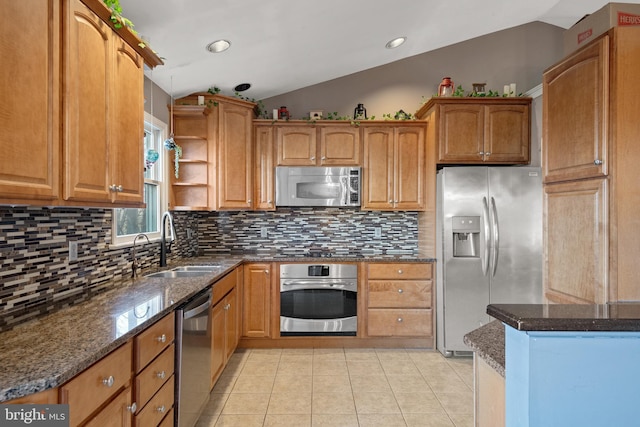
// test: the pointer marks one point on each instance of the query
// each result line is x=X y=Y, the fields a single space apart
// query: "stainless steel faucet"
x=164 y=249
x=134 y=263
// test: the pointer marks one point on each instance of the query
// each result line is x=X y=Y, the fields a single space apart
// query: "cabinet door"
x=506 y=134
x=235 y=161
x=339 y=146
x=575 y=110
x=115 y=414
x=296 y=146
x=88 y=70
x=461 y=138
x=264 y=192
x=378 y=168
x=218 y=334
x=29 y=83
x=232 y=323
x=257 y=301
x=575 y=235
x=126 y=139
x=409 y=168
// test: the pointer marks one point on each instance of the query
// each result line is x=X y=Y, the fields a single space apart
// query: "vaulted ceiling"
x=282 y=45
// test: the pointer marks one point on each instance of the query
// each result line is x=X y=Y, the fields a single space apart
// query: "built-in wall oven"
x=318 y=299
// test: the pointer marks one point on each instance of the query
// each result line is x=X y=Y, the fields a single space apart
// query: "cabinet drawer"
x=223 y=286
x=167 y=421
x=154 y=376
x=158 y=406
x=152 y=341
x=386 y=322
x=116 y=414
x=87 y=391
x=399 y=271
x=399 y=293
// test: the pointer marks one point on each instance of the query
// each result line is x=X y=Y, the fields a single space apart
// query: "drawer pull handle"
x=108 y=381
x=161 y=409
x=162 y=338
x=399 y=271
x=400 y=291
x=399 y=319
x=160 y=375
x=132 y=408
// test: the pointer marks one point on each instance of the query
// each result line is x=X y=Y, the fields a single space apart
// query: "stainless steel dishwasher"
x=193 y=358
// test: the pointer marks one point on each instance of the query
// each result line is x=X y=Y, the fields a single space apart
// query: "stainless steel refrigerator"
x=489 y=246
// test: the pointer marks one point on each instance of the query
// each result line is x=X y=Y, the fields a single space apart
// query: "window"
x=129 y=222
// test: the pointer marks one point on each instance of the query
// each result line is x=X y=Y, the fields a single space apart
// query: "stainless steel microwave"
x=317 y=186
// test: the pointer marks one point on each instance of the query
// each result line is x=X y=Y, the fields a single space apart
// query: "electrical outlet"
x=73 y=251
x=377 y=232
x=263 y=232
x=189 y=233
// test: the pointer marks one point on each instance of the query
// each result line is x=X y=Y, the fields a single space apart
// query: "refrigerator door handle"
x=496 y=237
x=485 y=233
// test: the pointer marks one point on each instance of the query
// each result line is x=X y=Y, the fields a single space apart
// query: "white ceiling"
x=282 y=45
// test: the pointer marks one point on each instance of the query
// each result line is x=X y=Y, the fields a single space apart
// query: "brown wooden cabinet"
x=256 y=316
x=220 y=176
x=225 y=321
x=393 y=175
x=399 y=300
x=317 y=144
x=75 y=107
x=264 y=180
x=481 y=130
x=590 y=161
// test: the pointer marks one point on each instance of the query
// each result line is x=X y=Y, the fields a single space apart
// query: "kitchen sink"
x=197 y=268
x=174 y=274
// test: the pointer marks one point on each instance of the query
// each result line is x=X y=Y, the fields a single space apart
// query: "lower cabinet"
x=225 y=322
x=256 y=314
x=488 y=395
x=132 y=385
x=399 y=300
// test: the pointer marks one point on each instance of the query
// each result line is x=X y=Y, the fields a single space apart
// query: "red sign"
x=584 y=35
x=628 y=19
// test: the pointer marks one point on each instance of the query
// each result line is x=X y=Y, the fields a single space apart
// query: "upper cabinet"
x=216 y=172
x=263 y=172
x=318 y=144
x=481 y=130
x=575 y=108
x=75 y=106
x=394 y=176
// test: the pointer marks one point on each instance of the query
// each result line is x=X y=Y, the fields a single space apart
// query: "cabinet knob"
x=113 y=187
x=132 y=408
x=108 y=381
x=227 y=307
x=266 y=272
x=120 y=189
x=269 y=201
x=400 y=272
x=160 y=375
x=399 y=319
x=162 y=338
x=390 y=201
x=400 y=291
x=597 y=162
x=249 y=201
x=324 y=158
x=161 y=409
x=313 y=157
x=480 y=153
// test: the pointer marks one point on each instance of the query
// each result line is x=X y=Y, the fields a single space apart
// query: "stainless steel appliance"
x=193 y=359
x=489 y=246
x=317 y=186
x=318 y=299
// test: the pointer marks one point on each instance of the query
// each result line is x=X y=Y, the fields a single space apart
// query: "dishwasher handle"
x=197 y=306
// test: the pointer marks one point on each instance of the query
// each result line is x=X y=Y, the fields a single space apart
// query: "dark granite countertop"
x=620 y=317
x=488 y=343
x=46 y=352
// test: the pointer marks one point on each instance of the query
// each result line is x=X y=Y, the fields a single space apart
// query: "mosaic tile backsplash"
x=36 y=276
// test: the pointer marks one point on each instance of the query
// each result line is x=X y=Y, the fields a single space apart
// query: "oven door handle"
x=316 y=284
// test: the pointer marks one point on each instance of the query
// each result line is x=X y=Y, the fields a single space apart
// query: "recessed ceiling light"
x=242 y=87
x=218 y=46
x=392 y=44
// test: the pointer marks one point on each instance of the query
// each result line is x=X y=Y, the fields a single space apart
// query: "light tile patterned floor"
x=342 y=388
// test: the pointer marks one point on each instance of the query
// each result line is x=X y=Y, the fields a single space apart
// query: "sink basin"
x=173 y=274
x=197 y=268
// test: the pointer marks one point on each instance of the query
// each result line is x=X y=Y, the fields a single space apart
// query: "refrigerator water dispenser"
x=466 y=236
